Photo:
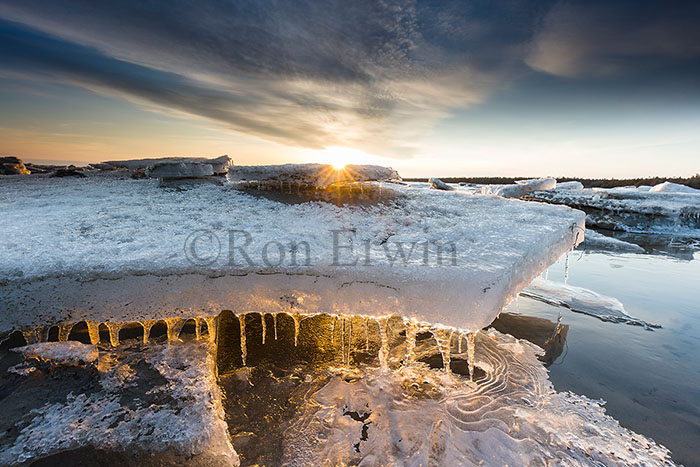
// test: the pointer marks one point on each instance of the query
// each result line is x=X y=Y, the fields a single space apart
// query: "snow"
x=632 y=210
x=64 y=353
x=669 y=187
x=179 y=413
x=318 y=175
x=103 y=248
x=582 y=300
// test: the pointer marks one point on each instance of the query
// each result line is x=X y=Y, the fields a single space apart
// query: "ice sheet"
x=583 y=301
x=632 y=210
x=109 y=249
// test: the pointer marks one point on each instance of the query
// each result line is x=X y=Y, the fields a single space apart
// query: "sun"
x=339 y=157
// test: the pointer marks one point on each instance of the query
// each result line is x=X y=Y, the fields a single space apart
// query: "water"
x=649 y=379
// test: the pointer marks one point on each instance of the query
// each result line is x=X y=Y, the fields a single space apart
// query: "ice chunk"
x=105 y=249
x=520 y=188
x=603 y=242
x=669 y=187
x=438 y=184
x=178 y=412
x=583 y=301
x=167 y=170
x=632 y=210
x=219 y=165
x=538 y=183
x=569 y=185
x=60 y=353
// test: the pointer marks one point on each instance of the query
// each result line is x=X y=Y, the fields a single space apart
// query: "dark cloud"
x=616 y=38
x=372 y=75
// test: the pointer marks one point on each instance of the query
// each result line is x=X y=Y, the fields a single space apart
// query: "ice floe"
x=583 y=301
x=105 y=249
x=597 y=240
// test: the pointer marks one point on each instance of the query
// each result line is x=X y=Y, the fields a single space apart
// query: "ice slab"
x=583 y=301
x=150 y=401
x=60 y=353
x=318 y=175
x=632 y=210
x=107 y=249
x=219 y=164
x=603 y=242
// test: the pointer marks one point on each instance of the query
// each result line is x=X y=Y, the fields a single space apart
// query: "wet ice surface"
x=308 y=407
x=132 y=404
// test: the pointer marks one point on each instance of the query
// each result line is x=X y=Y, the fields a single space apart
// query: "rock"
x=179 y=170
x=438 y=184
x=68 y=172
x=12 y=166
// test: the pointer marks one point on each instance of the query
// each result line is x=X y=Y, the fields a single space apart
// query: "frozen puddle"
x=341 y=333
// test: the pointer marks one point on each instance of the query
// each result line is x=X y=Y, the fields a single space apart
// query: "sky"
x=430 y=88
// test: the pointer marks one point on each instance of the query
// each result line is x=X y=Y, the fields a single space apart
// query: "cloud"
x=615 y=38
x=365 y=74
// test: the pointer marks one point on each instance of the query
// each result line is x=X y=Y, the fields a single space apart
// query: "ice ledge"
x=117 y=254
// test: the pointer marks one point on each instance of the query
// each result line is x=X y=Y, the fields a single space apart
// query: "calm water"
x=650 y=379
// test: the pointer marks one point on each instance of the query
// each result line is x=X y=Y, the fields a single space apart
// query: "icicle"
x=349 y=338
x=384 y=349
x=64 y=331
x=114 y=329
x=197 y=327
x=332 y=329
x=470 y=354
x=342 y=340
x=174 y=326
x=443 y=337
x=364 y=323
x=244 y=350
x=411 y=331
x=31 y=336
x=42 y=333
x=546 y=274
x=566 y=268
x=211 y=327
x=459 y=342
x=262 y=321
x=93 y=331
x=297 y=320
x=274 y=321
x=147 y=325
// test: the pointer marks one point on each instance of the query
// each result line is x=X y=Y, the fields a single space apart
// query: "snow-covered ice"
x=126 y=409
x=581 y=300
x=632 y=210
x=670 y=187
x=109 y=249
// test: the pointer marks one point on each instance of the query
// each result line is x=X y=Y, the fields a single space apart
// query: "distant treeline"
x=693 y=181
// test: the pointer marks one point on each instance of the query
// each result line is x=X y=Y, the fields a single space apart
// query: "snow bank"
x=582 y=300
x=669 y=187
x=105 y=249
